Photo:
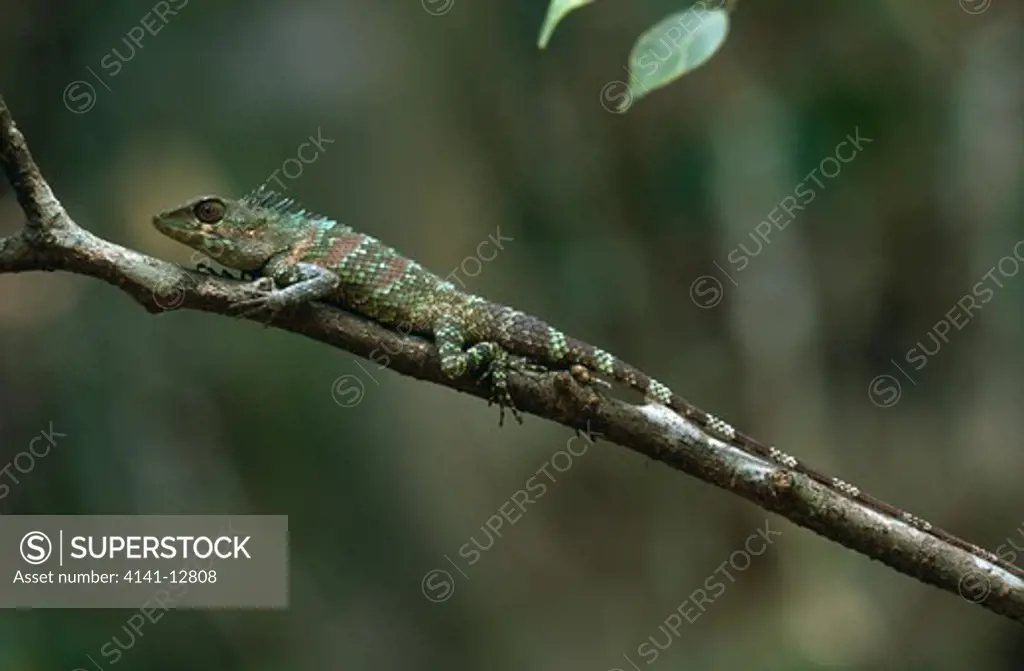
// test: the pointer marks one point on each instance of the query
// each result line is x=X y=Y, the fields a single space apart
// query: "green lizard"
x=300 y=257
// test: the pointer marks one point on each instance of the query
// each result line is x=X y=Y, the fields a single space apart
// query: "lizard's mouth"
x=164 y=226
x=176 y=231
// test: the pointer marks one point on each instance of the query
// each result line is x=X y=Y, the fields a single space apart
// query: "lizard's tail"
x=601 y=362
x=527 y=335
x=604 y=363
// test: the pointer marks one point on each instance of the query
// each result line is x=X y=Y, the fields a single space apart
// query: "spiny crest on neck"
x=268 y=199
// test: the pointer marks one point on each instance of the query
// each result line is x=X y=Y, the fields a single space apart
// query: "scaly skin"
x=302 y=257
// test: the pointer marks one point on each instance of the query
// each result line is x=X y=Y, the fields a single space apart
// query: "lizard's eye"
x=209 y=211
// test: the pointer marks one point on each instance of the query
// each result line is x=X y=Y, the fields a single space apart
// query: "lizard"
x=297 y=257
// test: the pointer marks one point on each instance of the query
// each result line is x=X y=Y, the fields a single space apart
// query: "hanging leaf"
x=676 y=45
x=556 y=12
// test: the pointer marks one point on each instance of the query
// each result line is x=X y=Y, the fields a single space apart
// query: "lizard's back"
x=379 y=282
x=376 y=280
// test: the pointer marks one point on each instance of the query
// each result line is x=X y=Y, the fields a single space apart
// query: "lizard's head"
x=239 y=234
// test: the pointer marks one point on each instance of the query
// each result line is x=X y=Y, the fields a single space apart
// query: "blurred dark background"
x=446 y=125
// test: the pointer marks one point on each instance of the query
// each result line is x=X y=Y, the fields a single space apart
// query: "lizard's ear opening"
x=209 y=211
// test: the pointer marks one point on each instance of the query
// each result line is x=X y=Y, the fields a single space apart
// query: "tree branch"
x=51 y=240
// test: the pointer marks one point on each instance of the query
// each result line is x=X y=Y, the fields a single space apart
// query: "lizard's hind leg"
x=487 y=360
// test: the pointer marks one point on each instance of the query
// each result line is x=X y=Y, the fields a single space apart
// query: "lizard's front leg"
x=486 y=359
x=302 y=283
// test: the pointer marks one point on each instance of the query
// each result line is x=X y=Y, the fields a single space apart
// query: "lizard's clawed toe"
x=264 y=285
x=522 y=364
x=253 y=307
x=496 y=375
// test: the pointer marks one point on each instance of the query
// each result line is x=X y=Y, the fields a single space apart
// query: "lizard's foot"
x=497 y=376
x=486 y=361
x=496 y=363
x=583 y=376
x=264 y=284
x=268 y=300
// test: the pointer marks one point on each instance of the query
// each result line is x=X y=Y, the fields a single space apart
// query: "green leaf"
x=676 y=45
x=556 y=12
